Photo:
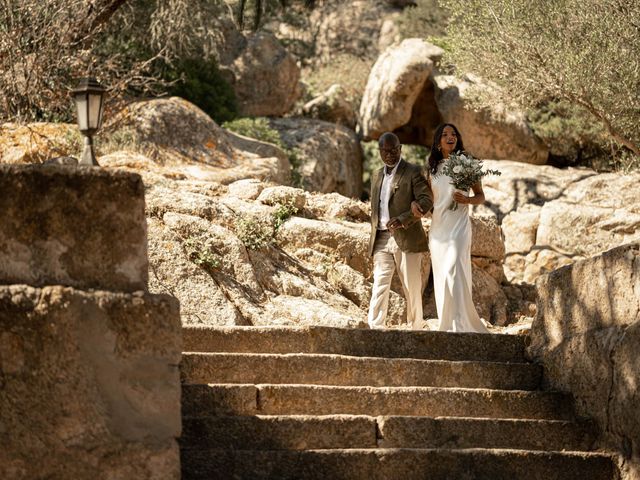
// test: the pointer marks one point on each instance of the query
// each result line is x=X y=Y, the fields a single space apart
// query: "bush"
x=257 y=128
x=202 y=83
x=585 y=54
x=427 y=19
x=200 y=251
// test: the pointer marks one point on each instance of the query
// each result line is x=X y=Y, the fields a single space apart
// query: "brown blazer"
x=409 y=184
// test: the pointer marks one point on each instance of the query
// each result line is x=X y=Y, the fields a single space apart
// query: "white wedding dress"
x=450 y=246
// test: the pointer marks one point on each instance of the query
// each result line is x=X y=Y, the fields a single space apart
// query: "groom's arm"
x=422 y=195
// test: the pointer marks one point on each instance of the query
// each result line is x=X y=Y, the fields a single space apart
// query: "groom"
x=397 y=237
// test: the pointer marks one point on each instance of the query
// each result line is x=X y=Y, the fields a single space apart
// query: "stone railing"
x=587 y=336
x=89 y=380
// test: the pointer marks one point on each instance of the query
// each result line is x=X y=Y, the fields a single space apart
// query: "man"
x=397 y=237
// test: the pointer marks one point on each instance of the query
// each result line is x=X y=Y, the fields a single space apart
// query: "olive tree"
x=583 y=52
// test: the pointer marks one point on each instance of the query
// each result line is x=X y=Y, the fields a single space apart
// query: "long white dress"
x=450 y=246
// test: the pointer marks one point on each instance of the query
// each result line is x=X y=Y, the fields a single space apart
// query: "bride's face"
x=448 y=141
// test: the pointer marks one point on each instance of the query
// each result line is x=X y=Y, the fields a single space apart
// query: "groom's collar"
x=394 y=169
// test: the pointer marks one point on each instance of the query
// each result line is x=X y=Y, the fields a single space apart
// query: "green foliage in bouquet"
x=464 y=171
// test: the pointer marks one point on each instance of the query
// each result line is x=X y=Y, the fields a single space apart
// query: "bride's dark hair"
x=436 y=155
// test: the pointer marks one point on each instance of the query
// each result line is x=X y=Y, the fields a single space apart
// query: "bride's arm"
x=477 y=198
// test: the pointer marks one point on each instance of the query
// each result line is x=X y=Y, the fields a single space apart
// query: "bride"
x=450 y=238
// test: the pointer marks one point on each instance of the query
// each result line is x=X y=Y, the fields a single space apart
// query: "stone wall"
x=587 y=336
x=89 y=378
x=79 y=227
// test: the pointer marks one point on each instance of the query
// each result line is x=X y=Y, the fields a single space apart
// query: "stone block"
x=80 y=227
x=587 y=337
x=89 y=384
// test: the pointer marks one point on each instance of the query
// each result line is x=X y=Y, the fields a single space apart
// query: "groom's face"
x=390 y=153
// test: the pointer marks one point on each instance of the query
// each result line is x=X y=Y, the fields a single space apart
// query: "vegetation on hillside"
x=575 y=64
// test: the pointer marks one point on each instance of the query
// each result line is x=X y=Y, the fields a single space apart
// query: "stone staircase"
x=330 y=403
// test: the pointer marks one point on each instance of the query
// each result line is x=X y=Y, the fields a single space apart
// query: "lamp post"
x=89 y=99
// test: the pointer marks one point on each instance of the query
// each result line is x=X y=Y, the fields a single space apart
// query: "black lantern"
x=89 y=98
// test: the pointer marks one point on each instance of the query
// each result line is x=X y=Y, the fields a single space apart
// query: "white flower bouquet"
x=464 y=171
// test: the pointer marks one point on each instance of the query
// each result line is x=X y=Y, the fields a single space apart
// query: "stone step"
x=317 y=369
x=356 y=342
x=300 y=432
x=236 y=399
x=391 y=464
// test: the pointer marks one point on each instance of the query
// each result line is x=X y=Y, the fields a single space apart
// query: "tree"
x=583 y=52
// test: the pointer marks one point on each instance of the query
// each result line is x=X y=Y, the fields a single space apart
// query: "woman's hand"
x=416 y=210
x=460 y=197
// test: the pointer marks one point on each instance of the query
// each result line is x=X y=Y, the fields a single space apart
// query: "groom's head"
x=390 y=148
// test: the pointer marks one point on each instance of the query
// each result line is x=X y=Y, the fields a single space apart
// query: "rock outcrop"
x=332 y=106
x=397 y=79
x=553 y=217
x=265 y=77
x=37 y=142
x=328 y=156
x=406 y=94
x=181 y=138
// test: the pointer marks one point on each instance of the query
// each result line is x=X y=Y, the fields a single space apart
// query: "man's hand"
x=417 y=210
x=394 y=224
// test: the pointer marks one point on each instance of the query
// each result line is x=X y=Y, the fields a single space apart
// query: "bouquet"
x=464 y=171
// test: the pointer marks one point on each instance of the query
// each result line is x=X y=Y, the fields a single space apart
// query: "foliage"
x=202 y=84
x=200 y=251
x=254 y=233
x=255 y=12
x=282 y=213
x=257 y=128
x=45 y=45
x=585 y=54
x=425 y=19
x=568 y=131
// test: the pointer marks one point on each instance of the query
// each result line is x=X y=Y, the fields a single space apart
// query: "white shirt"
x=385 y=196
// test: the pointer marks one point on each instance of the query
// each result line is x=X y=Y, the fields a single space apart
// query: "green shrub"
x=282 y=213
x=200 y=251
x=201 y=82
x=254 y=233
x=257 y=128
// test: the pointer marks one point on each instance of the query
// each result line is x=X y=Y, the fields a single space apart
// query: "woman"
x=450 y=238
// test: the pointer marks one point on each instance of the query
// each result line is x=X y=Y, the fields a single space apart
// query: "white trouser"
x=388 y=257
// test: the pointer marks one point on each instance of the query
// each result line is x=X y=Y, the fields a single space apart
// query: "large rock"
x=587 y=335
x=498 y=132
x=90 y=384
x=80 y=226
x=265 y=77
x=520 y=228
x=353 y=28
x=332 y=106
x=329 y=156
x=37 y=142
x=593 y=215
x=396 y=80
x=178 y=136
x=521 y=184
